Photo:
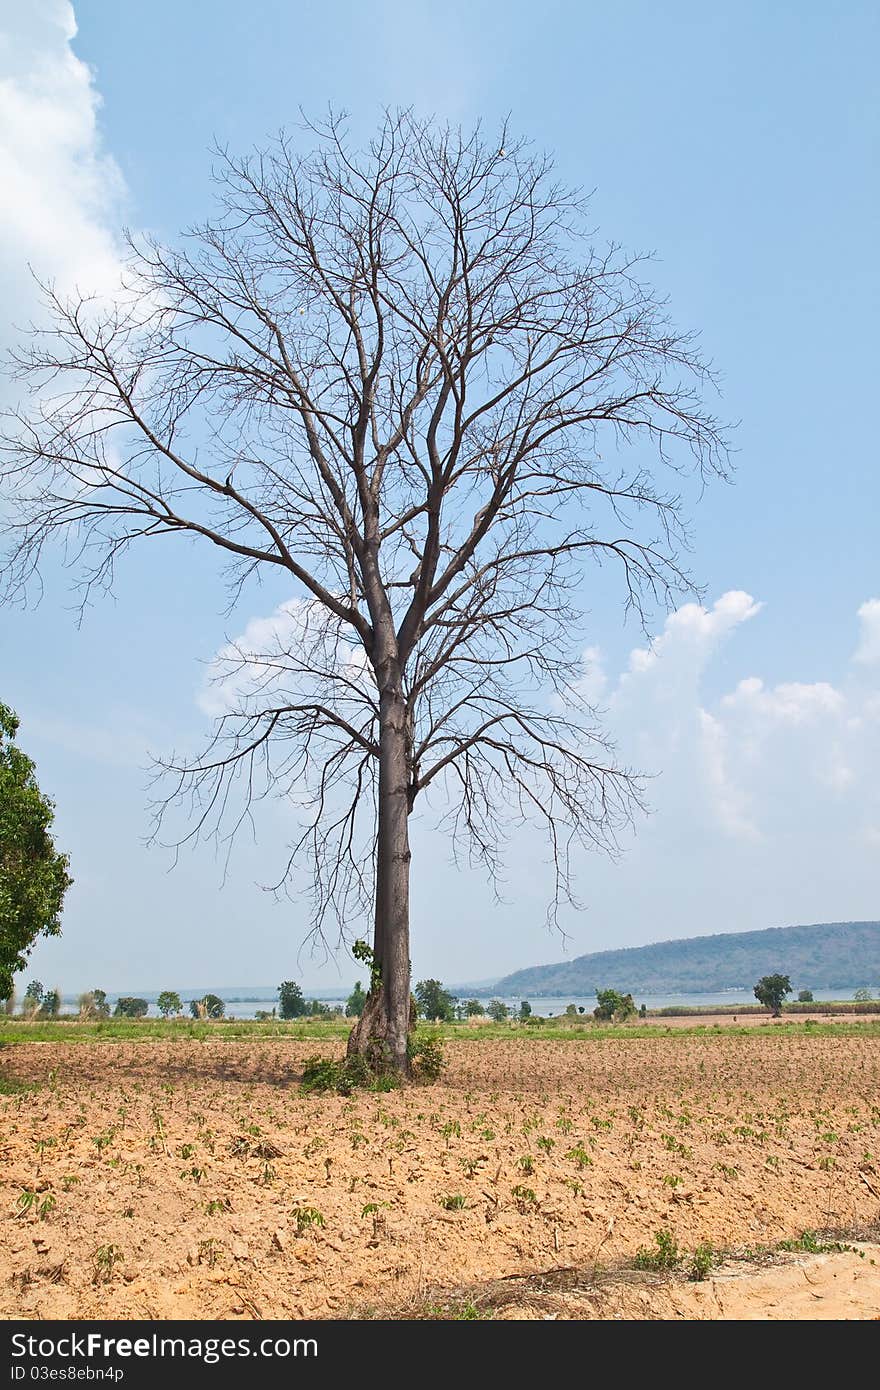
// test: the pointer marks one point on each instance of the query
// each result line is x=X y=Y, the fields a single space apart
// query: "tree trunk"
x=382 y=1032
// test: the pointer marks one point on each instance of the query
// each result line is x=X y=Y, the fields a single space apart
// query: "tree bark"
x=382 y=1032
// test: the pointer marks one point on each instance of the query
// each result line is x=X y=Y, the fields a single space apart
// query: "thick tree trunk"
x=382 y=1032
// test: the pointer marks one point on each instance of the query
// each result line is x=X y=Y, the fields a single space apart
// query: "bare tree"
x=405 y=378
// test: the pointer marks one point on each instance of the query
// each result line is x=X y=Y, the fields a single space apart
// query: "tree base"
x=382 y=1046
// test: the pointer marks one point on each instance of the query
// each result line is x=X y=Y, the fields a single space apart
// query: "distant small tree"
x=102 y=1008
x=863 y=996
x=497 y=1011
x=571 y=1011
x=129 y=1007
x=264 y=1015
x=214 y=1006
x=613 y=1007
x=771 y=991
x=169 y=1003
x=51 y=1005
x=354 y=1005
x=291 y=1003
x=643 y=1011
x=805 y=996
x=33 y=998
x=435 y=1002
x=474 y=1009
x=525 y=1010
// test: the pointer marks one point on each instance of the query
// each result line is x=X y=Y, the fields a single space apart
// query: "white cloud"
x=762 y=763
x=868 y=651
x=62 y=193
x=284 y=653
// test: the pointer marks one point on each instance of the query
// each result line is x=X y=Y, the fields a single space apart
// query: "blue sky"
x=736 y=142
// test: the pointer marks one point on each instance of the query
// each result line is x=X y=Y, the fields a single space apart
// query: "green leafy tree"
x=805 y=996
x=613 y=1007
x=209 y=1006
x=474 y=1009
x=128 y=1006
x=525 y=1009
x=497 y=1010
x=862 y=996
x=33 y=875
x=33 y=998
x=771 y=991
x=354 y=1006
x=169 y=1003
x=435 y=1002
x=93 y=1004
x=291 y=1003
x=51 y=1005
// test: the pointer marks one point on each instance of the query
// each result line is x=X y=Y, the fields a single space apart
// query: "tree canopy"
x=435 y=1002
x=291 y=1003
x=33 y=873
x=771 y=991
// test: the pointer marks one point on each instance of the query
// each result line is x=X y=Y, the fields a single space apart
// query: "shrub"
x=666 y=1256
x=128 y=1007
x=427 y=1057
x=349 y=1074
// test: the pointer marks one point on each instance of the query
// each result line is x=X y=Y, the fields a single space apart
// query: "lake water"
x=246 y=1002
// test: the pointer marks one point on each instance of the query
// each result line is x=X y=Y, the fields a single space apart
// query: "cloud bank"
x=62 y=194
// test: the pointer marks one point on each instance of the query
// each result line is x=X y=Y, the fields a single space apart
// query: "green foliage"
x=497 y=1011
x=427 y=1057
x=291 y=1003
x=454 y=1202
x=613 y=1007
x=51 y=1006
x=474 y=1009
x=365 y=954
x=33 y=875
x=209 y=1006
x=435 y=1002
x=666 y=1256
x=33 y=997
x=169 y=1003
x=862 y=996
x=93 y=1004
x=809 y=1243
x=805 y=996
x=350 y=1074
x=771 y=991
x=354 y=1005
x=305 y=1217
x=129 y=1007
x=702 y=1260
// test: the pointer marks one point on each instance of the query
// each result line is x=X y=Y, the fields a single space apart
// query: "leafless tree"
x=405 y=377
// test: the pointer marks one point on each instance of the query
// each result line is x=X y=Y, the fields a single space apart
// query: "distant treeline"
x=827 y=1006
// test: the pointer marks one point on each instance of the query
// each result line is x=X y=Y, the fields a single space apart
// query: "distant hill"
x=829 y=955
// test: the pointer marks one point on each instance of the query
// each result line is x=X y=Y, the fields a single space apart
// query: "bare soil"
x=194 y=1179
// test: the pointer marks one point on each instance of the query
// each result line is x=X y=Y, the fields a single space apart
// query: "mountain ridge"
x=820 y=955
